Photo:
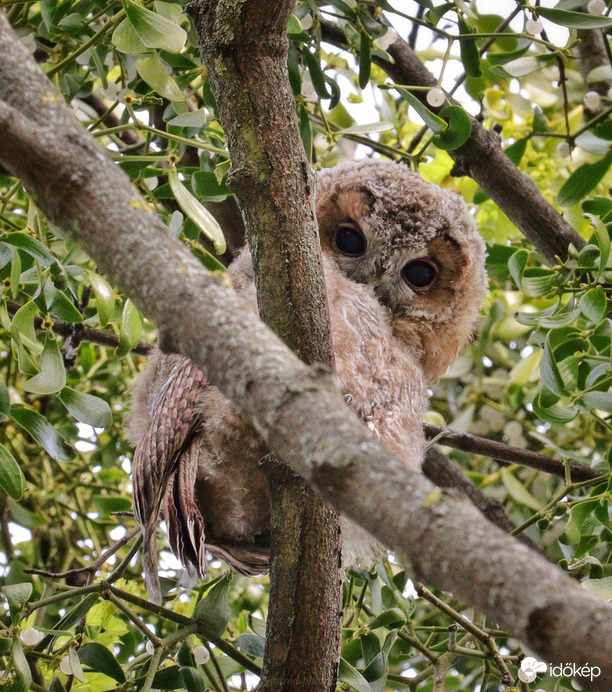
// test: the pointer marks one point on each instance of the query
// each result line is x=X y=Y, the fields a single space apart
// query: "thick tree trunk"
x=245 y=48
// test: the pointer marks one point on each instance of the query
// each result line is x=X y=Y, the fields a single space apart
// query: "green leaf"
x=206 y=186
x=105 y=297
x=470 y=57
x=42 y=432
x=516 y=150
x=598 y=206
x=518 y=492
x=584 y=179
x=522 y=66
x=214 y=608
x=15 y=272
x=311 y=60
x=602 y=237
x=21 y=666
x=599 y=400
x=60 y=306
x=106 y=504
x=365 y=60
x=126 y=40
x=152 y=70
x=352 y=677
x=391 y=619
x=251 y=644
x=194 y=682
x=131 y=328
x=574 y=20
x=294 y=26
x=594 y=304
x=197 y=212
x=77 y=613
x=516 y=266
x=87 y=408
x=52 y=375
x=23 y=321
x=552 y=414
x=31 y=246
x=435 y=123
x=602 y=588
x=537 y=281
x=196 y=119
x=366 y=129
x=5 y=402
x=12 y=480
x=154 y=30
x=17 y=596
x=458 y=130
x=551 y=377
x=100 y=659
x=546 y=320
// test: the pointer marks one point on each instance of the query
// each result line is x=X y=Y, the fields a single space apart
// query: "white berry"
x=435 y=97
x=31 y=636
x=533 y=27
x=65 y=666
x=150 y=647
x=385 y=41
x=592 y=100
x=306 y=22
x=201 y=655
x=563 y=150
x=596 y=6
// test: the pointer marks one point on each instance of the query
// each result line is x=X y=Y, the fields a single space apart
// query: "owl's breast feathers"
x=198 y=459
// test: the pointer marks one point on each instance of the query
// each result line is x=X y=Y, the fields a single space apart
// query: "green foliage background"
x=537 y=376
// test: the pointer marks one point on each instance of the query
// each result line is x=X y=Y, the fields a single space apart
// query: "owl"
x=404 y=271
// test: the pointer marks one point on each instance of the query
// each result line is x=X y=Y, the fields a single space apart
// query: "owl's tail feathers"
x=186 y=530
x=168 y=445
x=249 y=560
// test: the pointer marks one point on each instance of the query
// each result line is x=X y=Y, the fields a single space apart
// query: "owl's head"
x=415 y=244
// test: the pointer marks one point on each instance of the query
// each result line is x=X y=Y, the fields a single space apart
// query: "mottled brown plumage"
x=404 y=270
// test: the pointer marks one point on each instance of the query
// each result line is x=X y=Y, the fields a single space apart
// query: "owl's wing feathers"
x=165 y=462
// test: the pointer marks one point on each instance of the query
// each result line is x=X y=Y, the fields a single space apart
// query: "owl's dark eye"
x=419 y=273
x=350 y=241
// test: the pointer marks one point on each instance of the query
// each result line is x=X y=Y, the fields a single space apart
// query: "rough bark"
x=295 y=407
x=244 y=48
x=484 y=160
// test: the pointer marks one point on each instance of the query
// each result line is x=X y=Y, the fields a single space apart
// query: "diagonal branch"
x=294 y=407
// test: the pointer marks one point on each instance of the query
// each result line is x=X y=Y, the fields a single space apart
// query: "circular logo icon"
x=530 y=667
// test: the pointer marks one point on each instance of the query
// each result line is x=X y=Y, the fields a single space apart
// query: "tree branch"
x=295 y=408
x=508 y=454
x=483 y=159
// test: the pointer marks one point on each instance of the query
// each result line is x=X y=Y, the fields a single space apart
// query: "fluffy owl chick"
x=404 y=271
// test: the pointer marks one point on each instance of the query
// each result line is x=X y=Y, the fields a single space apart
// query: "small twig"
x=95 y=565
x=414 y=32
x=507 y=454
x=139 y=624
x=216 y=666
x=94 y=336
x=470 y=627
